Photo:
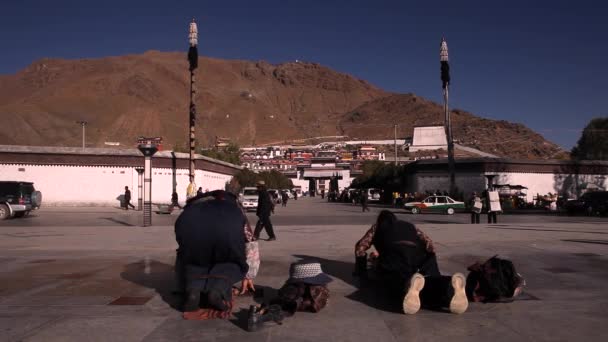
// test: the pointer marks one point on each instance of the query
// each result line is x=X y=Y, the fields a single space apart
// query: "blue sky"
x=541 y=63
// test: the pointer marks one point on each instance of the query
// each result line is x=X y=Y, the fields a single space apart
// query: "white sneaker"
x=459 y=302
x=411 y=301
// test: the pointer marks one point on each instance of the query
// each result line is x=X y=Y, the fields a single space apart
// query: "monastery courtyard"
x=94 y=274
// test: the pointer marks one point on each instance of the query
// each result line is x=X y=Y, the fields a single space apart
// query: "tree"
x=231 y=154
x=273 y=179
x=593 y=144
x=246 y=177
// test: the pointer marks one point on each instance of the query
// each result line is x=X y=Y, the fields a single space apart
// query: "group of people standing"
x=477 y=203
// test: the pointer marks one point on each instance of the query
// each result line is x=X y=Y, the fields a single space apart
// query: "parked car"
x=373 y=195
x=249 y=198
x=17 y=199
x=275 y=196
x=590 y=203
x=444 y=204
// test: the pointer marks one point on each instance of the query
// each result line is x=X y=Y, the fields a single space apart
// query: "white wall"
x=466 y=183
x=543 y=183
x=537 y=183
x=101 y=185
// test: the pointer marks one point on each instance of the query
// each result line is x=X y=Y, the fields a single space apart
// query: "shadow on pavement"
x=123 y=223
x=597 y=242
x=373 y=294
x=153 y=275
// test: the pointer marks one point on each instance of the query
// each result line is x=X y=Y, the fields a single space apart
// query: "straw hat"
x=308 y=273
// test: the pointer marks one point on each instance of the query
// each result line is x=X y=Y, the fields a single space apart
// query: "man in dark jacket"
x=265 y=208
x=364 y=200
x=211 y=254
x=128 y=199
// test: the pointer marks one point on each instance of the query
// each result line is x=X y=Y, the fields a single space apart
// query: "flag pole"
x=193 y=61
x=445 y=79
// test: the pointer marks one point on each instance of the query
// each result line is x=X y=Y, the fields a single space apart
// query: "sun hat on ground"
x=308 y=273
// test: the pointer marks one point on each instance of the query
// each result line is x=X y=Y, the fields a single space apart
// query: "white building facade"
x=98 y=176
x=567 y=178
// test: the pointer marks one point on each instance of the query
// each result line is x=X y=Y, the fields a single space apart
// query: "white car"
x=249 y=198
x=373 y=195
x=442 y=204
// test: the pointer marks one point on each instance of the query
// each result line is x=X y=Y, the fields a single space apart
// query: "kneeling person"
x=406 y=265
x=211 y=256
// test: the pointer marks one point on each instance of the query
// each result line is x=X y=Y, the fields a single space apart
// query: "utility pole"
x=445 y=79
x=193 y=61
x=84 y=125
x=395 y=144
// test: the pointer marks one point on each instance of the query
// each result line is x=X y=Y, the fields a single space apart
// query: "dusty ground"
x=93 y=274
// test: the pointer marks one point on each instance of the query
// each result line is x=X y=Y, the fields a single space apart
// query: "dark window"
x=441 y=200
x=9 y=188
x=27 y=189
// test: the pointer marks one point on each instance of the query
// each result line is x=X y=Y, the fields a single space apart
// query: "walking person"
x=284 y=198
x=476 y=206
x=364 y=200
x=128 y=199
x=295 y=195
x=265 y=208
x=175 y=200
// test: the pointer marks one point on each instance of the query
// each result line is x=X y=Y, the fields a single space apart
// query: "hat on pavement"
x=261 y=183
x=308 y=273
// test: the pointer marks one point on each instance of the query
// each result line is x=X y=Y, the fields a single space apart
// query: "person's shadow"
x=161 y=277
x=154 y=275
x=370 y=293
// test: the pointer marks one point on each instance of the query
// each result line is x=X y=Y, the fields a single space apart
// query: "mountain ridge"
x=250 y=102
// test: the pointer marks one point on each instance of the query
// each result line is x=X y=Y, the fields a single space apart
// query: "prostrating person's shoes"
x=411 y=301
x=192 y=301
x=258 y=316
x=459 y=302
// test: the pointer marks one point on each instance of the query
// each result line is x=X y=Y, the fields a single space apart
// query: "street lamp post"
x=445 y=79
x=140 y=188
x=193 y=64
x=148 y=147
x=84 y=125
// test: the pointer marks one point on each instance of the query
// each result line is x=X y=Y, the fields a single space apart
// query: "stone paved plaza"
x=92 y=274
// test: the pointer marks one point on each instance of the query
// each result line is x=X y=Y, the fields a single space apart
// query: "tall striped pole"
x=193 y=61
x=445 y=80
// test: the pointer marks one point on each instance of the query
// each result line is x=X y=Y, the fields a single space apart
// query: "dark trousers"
x=364 y=206
x=492 y=217
x=285 y=203
x=128 y=204
x=437 y=292
x=475 y=217
x=264 y=222
x=218 y=278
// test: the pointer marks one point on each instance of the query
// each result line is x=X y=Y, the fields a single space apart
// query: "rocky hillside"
x=376 y=118
x=125 y=97
x=250 y=102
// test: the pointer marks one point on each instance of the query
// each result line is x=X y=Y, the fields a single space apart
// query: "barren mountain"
x=250 y=102
x=125 y=97
x=376 y=118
